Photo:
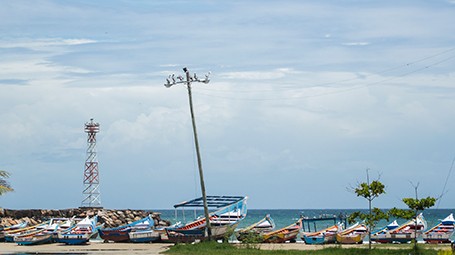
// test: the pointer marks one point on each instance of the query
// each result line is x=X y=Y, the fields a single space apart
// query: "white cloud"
x=356 y=43
x=285 y=98
x=259 y=75
x=43 y=43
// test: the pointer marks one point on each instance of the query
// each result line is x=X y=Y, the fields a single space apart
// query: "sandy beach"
x=92 y=248
x=131 y=248
x=127 y=248
x=157 y=248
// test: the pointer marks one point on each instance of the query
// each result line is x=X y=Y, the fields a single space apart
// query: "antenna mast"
x=91 y=174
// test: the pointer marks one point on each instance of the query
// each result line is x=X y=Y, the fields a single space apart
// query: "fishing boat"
x=257 y=229
x=406 y=232
x=42 y=236
x=228 y=212
x=324 y=236
x=352 y=235
x=144 y=236
x=9 y=235
x=283 y=235
x=4 y=230
x=144 y=232
x=121 y=233
x=79 y=233
x=382 y=235
x=442 y=232
x=34 y=239
x=64 y=227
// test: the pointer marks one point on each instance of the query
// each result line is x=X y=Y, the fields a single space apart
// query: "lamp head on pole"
x=173 y=80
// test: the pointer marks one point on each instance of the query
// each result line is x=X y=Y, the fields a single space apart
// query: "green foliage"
x=371 y=191
x=252 y=237
x=419 y=204
x=370 y=219
x=445 y=252
x=402 y=213
x=4 y=185
x=230 y=231
x=415 y=205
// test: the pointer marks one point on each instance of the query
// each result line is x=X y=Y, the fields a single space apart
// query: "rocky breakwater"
x=110 y=218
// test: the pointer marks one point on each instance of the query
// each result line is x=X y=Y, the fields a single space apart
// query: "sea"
x=285 y=217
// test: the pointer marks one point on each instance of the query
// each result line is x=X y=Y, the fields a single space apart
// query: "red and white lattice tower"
x=91 y=174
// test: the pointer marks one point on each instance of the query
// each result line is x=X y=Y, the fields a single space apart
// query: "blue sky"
x=304 y=96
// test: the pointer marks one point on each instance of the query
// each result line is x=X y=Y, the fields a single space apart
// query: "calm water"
x=284 y=218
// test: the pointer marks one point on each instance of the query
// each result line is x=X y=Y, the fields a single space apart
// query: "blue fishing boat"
x=381 y=235
x=10 y=235
x=121 y=233
x=5 y=230
x=324 y=236
x=144 y=232
x=404 y=233
x=144 y=236
x=36 y=239
x=45 y=234
x=442 y=232
x=227 y=214
x=80 y=233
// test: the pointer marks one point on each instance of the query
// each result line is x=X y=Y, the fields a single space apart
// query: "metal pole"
x=170 y=81
x=369 y=210
x=199 y=161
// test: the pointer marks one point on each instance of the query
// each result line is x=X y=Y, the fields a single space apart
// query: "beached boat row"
x=228 y=213
x=355 y=234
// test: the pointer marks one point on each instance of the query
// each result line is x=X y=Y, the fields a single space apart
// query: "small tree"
x=369 y=191
x=415 y=205
x=4 y=185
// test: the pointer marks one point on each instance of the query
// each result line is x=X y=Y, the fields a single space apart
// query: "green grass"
x=213 y=248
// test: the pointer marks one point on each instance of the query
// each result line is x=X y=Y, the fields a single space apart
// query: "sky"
x=304 y=97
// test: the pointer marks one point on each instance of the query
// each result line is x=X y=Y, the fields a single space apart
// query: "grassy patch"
x=213 y=248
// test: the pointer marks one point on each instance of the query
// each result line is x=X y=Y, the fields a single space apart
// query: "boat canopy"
x=449 y=220
x=212 y=201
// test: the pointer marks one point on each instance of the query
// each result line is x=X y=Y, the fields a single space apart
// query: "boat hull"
x=282 y=237
x=189 y=236
x=350 y=239
x=34 y=240
x=392 y=238
x=73 y=239
x=314 y=239
x=436 y=238
x=118 y=236
x=185 y=236
x=144 y=236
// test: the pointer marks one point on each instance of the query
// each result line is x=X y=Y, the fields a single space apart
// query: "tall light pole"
x=170 y=81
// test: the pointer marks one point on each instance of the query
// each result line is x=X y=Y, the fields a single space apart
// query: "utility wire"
x=445 y=184
x=332 y=92
x=326 y=84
